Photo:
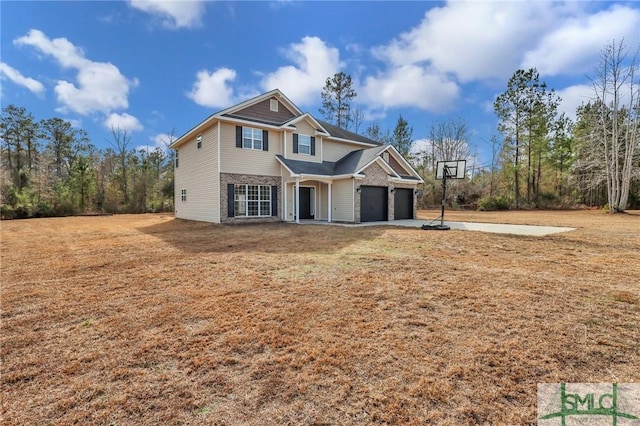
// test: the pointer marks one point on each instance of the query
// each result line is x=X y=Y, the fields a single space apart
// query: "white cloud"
x=574 y=47
x=574 y=96
x=162 y=139
x=173 y=14
x=420 y=145
x=75 y=123
x=302 y=82
x=410 y=86
x=472 y=40
x=123 y=122
x=15 y=76
x=213 y=89
x=100 y=85
x=68 y=55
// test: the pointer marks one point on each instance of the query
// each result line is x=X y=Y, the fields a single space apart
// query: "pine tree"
x=401 y=138
x=337 y=95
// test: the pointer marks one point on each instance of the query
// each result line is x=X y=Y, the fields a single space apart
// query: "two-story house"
x=265 y=160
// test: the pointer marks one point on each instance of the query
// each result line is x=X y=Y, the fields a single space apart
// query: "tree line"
x=50 y=168
x=539 y=158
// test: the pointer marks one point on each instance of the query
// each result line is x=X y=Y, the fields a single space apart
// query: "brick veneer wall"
x=236 y=179
x=377 y=176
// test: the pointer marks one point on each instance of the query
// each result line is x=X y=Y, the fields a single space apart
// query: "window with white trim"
x=199 y=141
x=251 y=138
x=252 y=200
x=304 y=144
x=183 y=194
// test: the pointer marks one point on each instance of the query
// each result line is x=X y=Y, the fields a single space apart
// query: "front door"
x=305 y=203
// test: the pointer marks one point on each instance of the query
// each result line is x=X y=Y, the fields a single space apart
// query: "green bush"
x=21 y=212
x=548 y=200
x=7 y=212
x=42 y=210
x=494 y=203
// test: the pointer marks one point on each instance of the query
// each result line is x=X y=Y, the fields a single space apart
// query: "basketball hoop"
x=446 y=170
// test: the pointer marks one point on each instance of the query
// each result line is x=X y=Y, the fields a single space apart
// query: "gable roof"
x=351 y=164
x=310 y=118
x=256 y=110
x=355 y=161
x=298 y=167
x=243 y=112
x=275 y=93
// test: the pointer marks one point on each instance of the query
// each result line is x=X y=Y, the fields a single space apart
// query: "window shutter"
x=295 y=143
x=231 y=200
x=238 y=136
x=274 y=200
x=265 y=140
x=313 y=145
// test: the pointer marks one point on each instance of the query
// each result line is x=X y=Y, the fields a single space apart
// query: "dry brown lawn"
x=143 y=319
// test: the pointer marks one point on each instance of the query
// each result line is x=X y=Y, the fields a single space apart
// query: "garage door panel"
x=403 y=204
x=374 y=203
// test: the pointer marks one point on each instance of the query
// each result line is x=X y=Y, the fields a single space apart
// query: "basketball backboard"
x=454 y=169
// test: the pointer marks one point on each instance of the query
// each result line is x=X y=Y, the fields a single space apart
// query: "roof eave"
x=403 y=180
x=370 y=145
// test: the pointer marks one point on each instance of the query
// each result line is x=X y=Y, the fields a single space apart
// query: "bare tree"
x=121 y=141
x=616 y=89
x=450 y=140
x=357 y=118
x=495 y=149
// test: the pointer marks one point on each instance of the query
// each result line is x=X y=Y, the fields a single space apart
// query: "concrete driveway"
x=495 y=228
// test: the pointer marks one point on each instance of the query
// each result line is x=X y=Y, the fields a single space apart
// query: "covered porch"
x=318 y=198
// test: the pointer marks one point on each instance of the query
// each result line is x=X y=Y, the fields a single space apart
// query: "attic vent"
x=385 y=156
x=273 y=105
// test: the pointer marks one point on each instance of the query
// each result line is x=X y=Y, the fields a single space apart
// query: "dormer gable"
x=307 y=122
x=397 y=163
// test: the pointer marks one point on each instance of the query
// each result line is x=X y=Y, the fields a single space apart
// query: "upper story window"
x=176 y=158
x=304 y=144
x=199 y=141
x=251 y=138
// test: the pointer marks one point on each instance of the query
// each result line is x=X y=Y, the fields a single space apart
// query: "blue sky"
x=156 y=66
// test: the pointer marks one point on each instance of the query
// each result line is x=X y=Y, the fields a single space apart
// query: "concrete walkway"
x=495 y=228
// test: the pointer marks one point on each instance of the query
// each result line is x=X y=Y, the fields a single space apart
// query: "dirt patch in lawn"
x=137 y=319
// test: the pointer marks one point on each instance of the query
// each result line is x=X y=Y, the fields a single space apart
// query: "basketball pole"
x=442 y=226
x=444 y=191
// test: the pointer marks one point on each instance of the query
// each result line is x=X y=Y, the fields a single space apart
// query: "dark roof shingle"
x=347 y=165
x=338 y=132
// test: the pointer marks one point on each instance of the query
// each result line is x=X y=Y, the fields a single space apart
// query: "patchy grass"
x=147 y=319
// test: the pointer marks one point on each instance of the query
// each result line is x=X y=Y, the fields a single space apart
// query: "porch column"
x=329 y=204
x=285 y=213
x=297 y=200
